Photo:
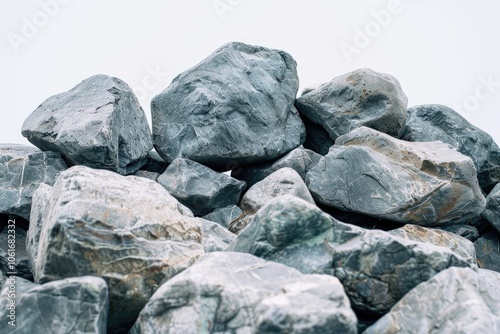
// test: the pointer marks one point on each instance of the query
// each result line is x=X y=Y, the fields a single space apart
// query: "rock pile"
x=254 y=212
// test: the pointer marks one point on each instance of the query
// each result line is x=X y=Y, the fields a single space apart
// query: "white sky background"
x=441 y=51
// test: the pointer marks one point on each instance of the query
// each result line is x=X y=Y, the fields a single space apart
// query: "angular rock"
x=99 y=123
x=299 y=159
x=224 y=216
x=317 y=138
x=72 y=305
x=433 y=122
x=127 y=230
x=239 y=293
x=155 y=163
x=492 y=211
x=235 y=107
x=469 y=232
x=457 y=300
x=488 y=251
x=215 y=237
x=461 y=246
x=13 y=256
x=359 y=98
x=22 y=169
x=372 y=173
x=148 y=175
x=199 y=187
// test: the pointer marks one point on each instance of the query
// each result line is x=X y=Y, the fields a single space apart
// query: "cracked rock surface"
x=492 y=211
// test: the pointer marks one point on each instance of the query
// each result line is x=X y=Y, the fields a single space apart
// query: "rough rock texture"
x=154 y=163
x=372 y=173
x=127 y=230
x=22 y=169
x=492 y=211
x=224 y=216
x=199 y=187
x=215 y=237
x=284 y=181
x=239 y=293
x=457 y=300
x=359 y=98
x=299 y=159
x=72 y=305
x=148 y=175
x=467 y=231
x=432 y=122
x=14 y=259
x=488 y=251
x=99 y=123
x=457 y=244
x=235 y=107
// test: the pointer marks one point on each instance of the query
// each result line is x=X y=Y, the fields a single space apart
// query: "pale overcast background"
x=444 y=52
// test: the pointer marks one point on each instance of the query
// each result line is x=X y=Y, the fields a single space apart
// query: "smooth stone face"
x=488 y=251
x=359 y=98
x=215 y=237
x=72 y=305
x=127 y=230
x=239 y=293
x=99 y=123
x=455 y=243
x=233 y=108
x=372 y=173
x=433 y=122
x=457 y=300
x=22 y=169
x=199 y=187
x=224 y=216
x=14 y=259
x=492 y=211
x=468 y=232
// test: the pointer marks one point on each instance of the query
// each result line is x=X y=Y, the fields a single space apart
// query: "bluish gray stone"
x=98 y=123
x=469 y=232
x=215 y=238
x=155 y=163
x=234 y=107
x=492 y=211
x=488 y=250
x=14 y=259
x=224 y=216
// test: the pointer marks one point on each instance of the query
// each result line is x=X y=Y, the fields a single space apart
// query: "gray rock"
x=99 y=123
x=148 y=175
x=199 y=187
x=13 y=256
x=155 y=163
x=2 y=278
x=317 y=138
x=457 y=300
x=299 y=159
x=127 y=230
x=432 y=122
x=22 y=169
x=469 y=232
x=72 y=305
x=239 y=293
x=224 y=216
x=488 y=251
x=235 y=107
x=372 y=173
x=461 y=246
x=492 y=211
x=359 y=98
x=215 y=237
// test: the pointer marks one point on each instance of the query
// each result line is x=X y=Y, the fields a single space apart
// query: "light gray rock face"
x=199 y=187
x=372 y=173
x=299 y=159
x=461 y=246
x=235 y=107
x=239 y=293
x=457 y=300
x=359 y=98
x=488 y=251
x=215 y=237
x=72 y=305
x=127 y=230
x=22 y=169
x=432 y=122
x=99 y=123
x=14 y=259
x=492 y=211
x=224 y=216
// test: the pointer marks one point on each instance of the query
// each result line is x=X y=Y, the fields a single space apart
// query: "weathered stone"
x=372 y=173
x=127 y=230
x=155 y=163
x=215 y=237
x=22 y=169
x=239 y=293
x=299 y=159
x=99 y=123
x=148 y=175
x=457 y=300
x=469 y=232
x=359 y=98
x=224 y=216
x=72 y=305
x=14 y=259
x=456 y=243
x=432 y=122
x=235 y=107
x=317 y=138
x=492 y=211
x=488 y=250
x=199 y=187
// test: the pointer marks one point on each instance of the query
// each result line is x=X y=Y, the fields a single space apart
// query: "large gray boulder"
x=235 y=107
x=492 y=211
x=72 y=305
x=421 y=183
x=239 y=293
x=22 y=169
x=200 y=188
x=127 y=230
x=432 y=122
x=359 y=98
x=98 y=123
x=457 y=300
